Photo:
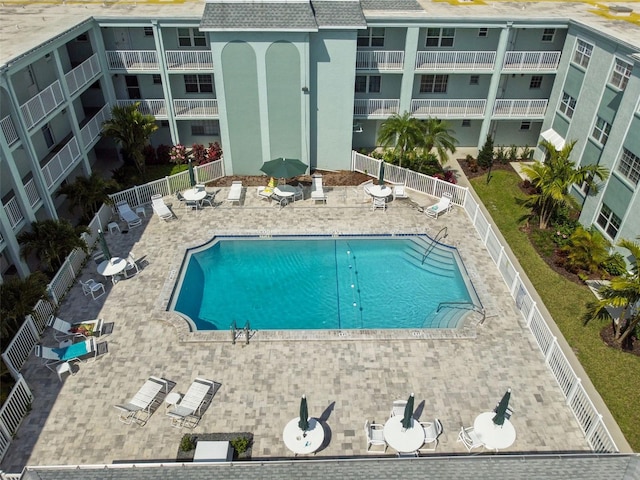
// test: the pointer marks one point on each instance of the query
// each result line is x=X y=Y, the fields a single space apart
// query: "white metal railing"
x=61 y=163
x=451 y=61
x=375 y=107
x=9 y=130
x=82 y=74
x=189 y=59
x=379 y=60
x=92 y=130
x=155 y=107
x=520 y=108
x=38 y=107
x=32 y=193
x=133 y=60
x=536 y=61
x=196 y=108
x=448 y=108
x=21 y=345
x=14 y=214
x=14 y=409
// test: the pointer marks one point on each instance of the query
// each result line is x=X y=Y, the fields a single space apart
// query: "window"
x=204 y=127
x=434 y=83
x=483 y=32
x=466 y=123
x=190 y=37
x=368 y=83
x=568 y=104
x=629 y=166
x=148 y=31
x=83 y=37
x=48 y=135
x=371 y=37
x=157 y=79
x=536 y=82
x=601 y=131
x=548 y=34
x=525 y=125
x=620 y=75
x=440 y=37
x=133 y=90
x=474 y=79
x=198 y=84
x=582 y=54
x=609 y=221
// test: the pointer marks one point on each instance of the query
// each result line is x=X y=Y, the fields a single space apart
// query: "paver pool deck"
x=346 y=380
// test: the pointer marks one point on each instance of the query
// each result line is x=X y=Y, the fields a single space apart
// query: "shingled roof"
x=234 y=15
x=339 y=13
x=391 y=5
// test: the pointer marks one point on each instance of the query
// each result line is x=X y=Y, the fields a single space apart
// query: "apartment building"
x=312 y=80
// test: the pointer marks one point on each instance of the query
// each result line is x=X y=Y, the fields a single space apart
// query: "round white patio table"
x=111 y=268
x=494 y=437
x=297 y=442
x=380 y=191
x=402 y=440
x=285 y=191
x=194 y=194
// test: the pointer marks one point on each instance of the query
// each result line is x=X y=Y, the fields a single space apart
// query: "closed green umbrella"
x=408 y=413
x=284 y=167
x=381 y=175
x=192 y=175
x=501 y=409
x=303 y=423
x=103 y=245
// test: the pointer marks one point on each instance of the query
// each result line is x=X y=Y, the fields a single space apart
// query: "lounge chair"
x=235 y=192
x=399 y=191
x=127 y=215
x=88 y=328
x=375 y=436
x=432 y=431
x=161 y=208
x=78 y=351
x=267 y=192
x=149 y=396
x=317 y=190
x=443 y=205
x=189 y=410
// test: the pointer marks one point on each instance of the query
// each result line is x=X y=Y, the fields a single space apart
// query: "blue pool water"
x=319 y=283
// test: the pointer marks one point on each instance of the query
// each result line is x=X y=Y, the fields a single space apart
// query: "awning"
x=554 y=138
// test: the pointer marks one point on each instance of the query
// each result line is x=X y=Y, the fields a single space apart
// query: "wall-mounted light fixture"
x=305 y=89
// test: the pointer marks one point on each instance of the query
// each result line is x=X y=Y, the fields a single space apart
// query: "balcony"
x=38 y=107
x=380 y=60
x=133 y=60
x=453 y=61
x=91 y=131
x=61 y=163
x=82 y=74
x=157 y=108
x=189 y=60
x=196 y=108
x=531 y=61
x=9 y=130
x=14 y=214
x=375 y=107
x=520 y=108
x=423 y=108
x=32 y=193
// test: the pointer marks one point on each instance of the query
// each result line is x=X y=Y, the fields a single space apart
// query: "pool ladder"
x=441 y=235
x=236 y=332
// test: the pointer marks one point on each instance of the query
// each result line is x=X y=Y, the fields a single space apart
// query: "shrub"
x=512 y=153
x=562 y=235
x=150 y=156
x=240 y=444
x=485 y=157
x=615 y=265
x=587 y=250
x=198 y=153
x=178 y=154
x=187 y=443
x=214 y=152
x=163 y=153
x=472 y=164
x=526 y=153
x=501 y=155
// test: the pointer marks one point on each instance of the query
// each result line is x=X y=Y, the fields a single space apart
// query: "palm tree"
x=402 y=132
x=437 y=134
x=587 y=249
x=52 y=241
x=17 y=299
x=554 y=178
x=132 y=131
x=624 y=293
x=88 y=193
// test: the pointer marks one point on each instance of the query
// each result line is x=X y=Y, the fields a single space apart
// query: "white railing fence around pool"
x=17 y=405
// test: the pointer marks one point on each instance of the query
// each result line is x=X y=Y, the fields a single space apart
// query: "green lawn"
x=616 y=375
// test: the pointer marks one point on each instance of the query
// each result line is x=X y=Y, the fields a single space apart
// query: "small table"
x=172 y=399
x=194 y=194
x=380 y=191
x=297 y=442
x=402 y=440
x=141 y=210
x=213 y=452
x=494 y=437
x=111 y=268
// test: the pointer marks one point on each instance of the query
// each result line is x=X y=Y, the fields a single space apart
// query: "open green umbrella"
x=381 y=175
x=103 y=245
x=501 y=409
x=284 y=167
x=408 y=413
x=303 y=423
x=192 y=175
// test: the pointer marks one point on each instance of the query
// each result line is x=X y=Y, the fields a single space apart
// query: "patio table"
x=300 y=442
x=402 y=440
x=111 y=268
x=195 y=195
x=494 y=437
x=380 y=191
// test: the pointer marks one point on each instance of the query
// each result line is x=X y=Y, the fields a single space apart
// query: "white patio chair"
x=407 y=454
x=160 y=208
x=299 y=193
x=317 y=190
x=375 y=436
x=397 y=408
x=92 y=287
x=210 y=197
x=127 y=215
x=64 y=329
x=143 y=401
x=189 y=411
x=443 y=205
x=131 y=265
x=469 y=438
x=432 y=431
x=379 y=203
x=399 y=191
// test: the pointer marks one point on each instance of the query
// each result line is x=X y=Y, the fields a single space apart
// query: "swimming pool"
x=323 y=282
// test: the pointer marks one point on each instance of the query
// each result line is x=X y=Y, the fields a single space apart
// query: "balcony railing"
x=82 y=74
x=91 y=131
x=531 y=61
x=379 y=60
x=61 y=163
x=14 y=214
x=520 y=108
x=189 y=60
x=32 y=193
x=196 y=108
x=375 y=107
x=133 y=60
x=157 y=108
x=452 y=61
x=9 y=130
x=448 y=108
x=42 y=104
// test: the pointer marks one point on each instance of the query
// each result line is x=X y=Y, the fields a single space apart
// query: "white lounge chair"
x=375 y=436
x=128 y=215
x=235 y=192
x=142 y=403
x=160 y=208
x=317 y=190
x=78 y=351
x=88 y=328
x=92 y=287
x=444 y=205
x=432 y=431
x=469 y=438
x=399 y=191
x=189 y=410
